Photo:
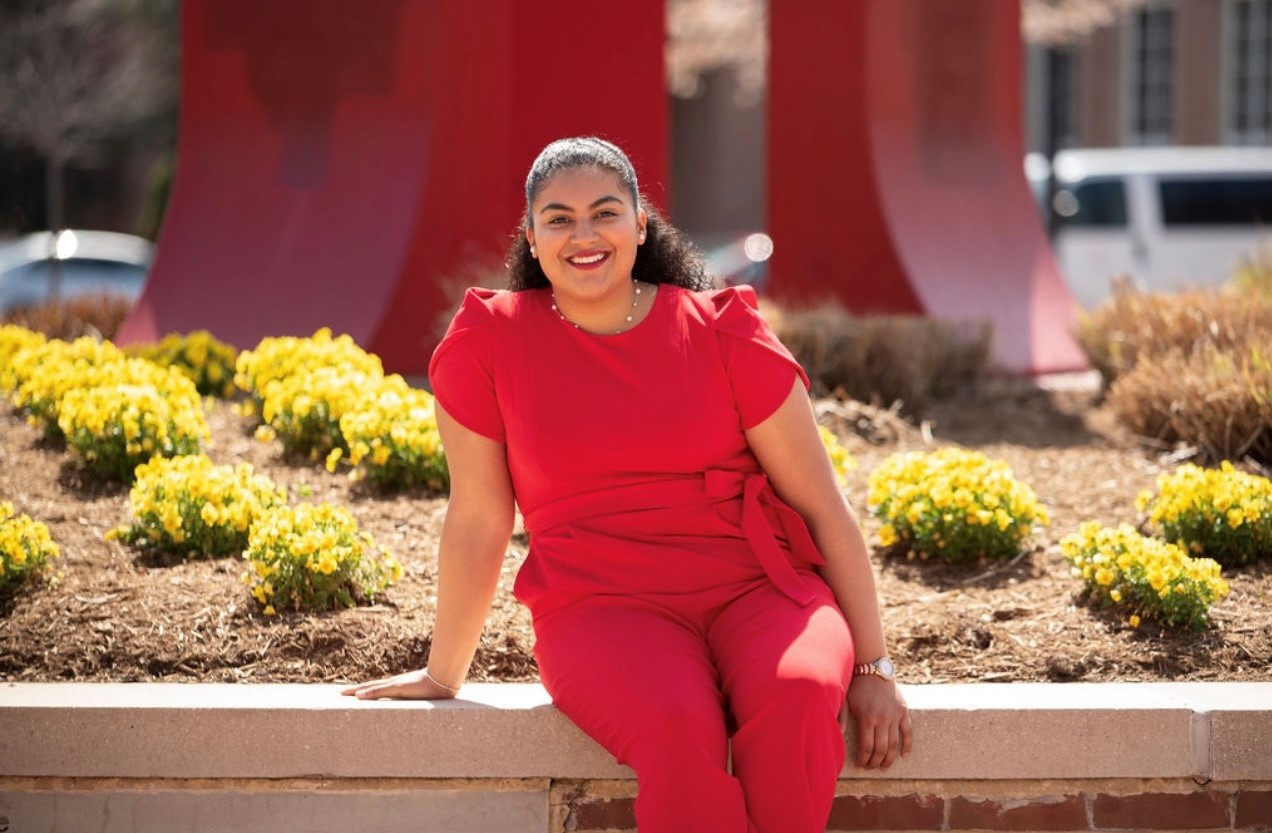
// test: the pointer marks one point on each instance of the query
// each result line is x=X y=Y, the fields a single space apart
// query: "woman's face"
x=584 y=230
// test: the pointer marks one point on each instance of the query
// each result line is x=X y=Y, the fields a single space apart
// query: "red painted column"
x=350 y=167
x=895 y=170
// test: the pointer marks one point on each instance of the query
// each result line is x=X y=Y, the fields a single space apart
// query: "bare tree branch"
x=708 y=35
x=705 y=35
x=1060 y=22
x=76 y=74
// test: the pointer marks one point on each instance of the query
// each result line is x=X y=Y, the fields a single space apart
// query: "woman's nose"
x=583 y=230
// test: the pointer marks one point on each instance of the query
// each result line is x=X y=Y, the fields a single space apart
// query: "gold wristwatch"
x=882 y=667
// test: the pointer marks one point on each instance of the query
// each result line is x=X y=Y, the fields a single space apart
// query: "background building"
x=1172 y=72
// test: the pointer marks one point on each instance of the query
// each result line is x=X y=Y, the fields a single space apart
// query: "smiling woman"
x=584 y=231
x=662 y=255
x=700 y=589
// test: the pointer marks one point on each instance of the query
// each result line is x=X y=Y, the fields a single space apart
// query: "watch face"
x=886 y=668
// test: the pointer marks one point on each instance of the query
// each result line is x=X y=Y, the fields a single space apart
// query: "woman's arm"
x=474 y=539
x=791 y=452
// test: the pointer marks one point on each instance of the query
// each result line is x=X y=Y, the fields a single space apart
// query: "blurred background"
x=89 y=97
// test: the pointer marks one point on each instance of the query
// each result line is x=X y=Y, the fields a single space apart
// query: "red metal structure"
x=354 y=168
x=348 y=165
x=895 y=170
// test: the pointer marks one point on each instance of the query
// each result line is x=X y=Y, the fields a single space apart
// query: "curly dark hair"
x=666 y=256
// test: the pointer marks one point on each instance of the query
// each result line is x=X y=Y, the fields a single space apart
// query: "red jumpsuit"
x=673 y=593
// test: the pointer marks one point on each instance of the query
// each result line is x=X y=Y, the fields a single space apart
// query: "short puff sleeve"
x=761 y=370
x=462 y=370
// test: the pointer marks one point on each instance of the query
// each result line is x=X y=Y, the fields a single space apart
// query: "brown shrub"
x=1133 y=324
x=1216 y=400
x=882 y=359
x=1254 y=273
x=98 y=315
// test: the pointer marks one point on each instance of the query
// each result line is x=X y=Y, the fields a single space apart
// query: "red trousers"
x=664 y=682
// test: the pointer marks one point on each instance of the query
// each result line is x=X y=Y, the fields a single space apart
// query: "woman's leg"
x=784 y=670
x=639 y=680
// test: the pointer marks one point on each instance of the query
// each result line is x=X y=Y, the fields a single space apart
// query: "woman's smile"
x=588 y=260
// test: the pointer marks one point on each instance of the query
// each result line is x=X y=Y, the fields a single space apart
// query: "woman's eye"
x=605 y=215
x=556 y=221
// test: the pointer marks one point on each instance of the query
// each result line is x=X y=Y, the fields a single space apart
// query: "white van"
x=1169 y=218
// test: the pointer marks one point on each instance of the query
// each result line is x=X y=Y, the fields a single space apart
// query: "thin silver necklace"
x=627 y=323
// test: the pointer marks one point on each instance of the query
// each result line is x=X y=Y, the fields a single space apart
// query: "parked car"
x=90 y=262
x=1169 y=218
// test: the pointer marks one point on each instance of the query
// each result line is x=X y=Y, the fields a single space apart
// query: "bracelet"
x=448 y=689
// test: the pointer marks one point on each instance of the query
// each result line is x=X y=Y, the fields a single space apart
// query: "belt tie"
x=722 y=484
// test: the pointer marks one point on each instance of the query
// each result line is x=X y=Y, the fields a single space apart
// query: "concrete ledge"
x=1199 y=731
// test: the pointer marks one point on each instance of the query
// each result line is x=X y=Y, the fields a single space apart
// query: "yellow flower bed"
x=392 y=438
x=190 y=505
x=840 y=459
x=135 y=411
x=25 y=549
x=304 y=410
x=1151 y=577
x=312 y=557
x=952 y=504
x=278 y=358
x=42 y=375
x=208 y=362
x=13 y=339
x=1222 y=513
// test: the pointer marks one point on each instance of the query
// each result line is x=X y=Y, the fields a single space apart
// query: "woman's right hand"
x=412 y=685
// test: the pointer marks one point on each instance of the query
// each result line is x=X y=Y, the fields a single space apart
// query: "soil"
x=117 y=614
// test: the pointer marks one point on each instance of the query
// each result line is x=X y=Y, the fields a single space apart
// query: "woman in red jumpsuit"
x=702 y=596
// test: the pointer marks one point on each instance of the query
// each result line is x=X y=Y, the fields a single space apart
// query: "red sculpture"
x=343 y=167
x=354 y=169
x=895 y=170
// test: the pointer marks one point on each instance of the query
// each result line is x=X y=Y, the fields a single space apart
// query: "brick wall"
x=606 y=807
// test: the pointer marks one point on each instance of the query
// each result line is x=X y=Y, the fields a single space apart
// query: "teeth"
x=589 y=259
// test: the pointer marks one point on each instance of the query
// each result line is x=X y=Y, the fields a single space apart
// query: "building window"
x=1216 y=201
x=1062 y=103
x=1151 y=65
x=1249 y=81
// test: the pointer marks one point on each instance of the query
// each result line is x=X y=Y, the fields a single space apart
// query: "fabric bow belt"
x=715 y=486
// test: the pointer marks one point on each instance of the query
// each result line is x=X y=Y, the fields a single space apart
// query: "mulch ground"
x=122 y=615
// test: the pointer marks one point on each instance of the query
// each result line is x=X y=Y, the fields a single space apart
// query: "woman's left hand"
x=883 y=721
